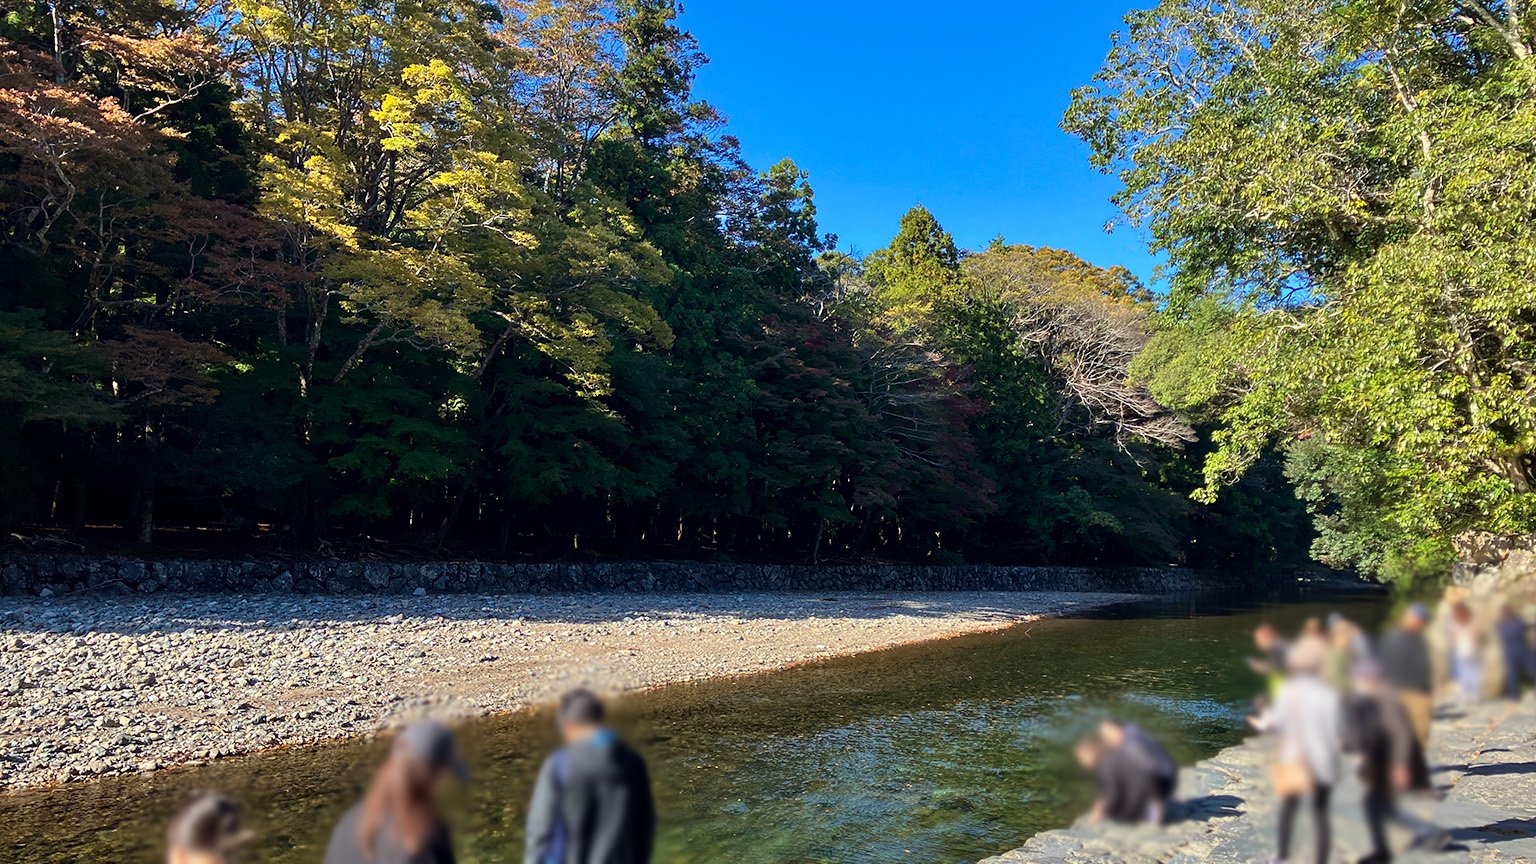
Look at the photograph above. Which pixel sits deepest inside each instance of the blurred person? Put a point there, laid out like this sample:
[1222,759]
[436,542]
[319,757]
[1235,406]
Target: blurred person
[1360,644]
[1125,790]
[1515,648]
[1391,761]
[399,820]
[1263,717]
[1308,719]
[1148,756]
[1312,627]
[206,831]
[1346,648]
[592,802]
[1404,656]
[1271,660]
[1466,646]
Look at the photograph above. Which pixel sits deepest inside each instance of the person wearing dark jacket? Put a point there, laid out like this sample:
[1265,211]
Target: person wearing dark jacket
[1148,758]
[592,802]
[1404,656]
[398,821]
[1515,644]
[1391,760]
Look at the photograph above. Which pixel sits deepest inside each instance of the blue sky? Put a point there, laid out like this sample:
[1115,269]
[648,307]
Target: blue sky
[953,105]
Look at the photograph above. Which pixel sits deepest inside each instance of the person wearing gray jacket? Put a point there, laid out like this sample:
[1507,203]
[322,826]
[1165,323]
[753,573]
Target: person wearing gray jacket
[592,802]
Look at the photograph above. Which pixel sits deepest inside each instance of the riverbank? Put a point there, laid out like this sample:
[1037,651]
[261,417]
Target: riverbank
[1484,759]
[93,686]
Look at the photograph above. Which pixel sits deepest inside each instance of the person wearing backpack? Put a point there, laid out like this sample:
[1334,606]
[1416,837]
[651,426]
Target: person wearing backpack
[592,802]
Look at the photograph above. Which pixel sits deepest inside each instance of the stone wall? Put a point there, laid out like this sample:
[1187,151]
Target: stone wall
[51,575]
[1479,551]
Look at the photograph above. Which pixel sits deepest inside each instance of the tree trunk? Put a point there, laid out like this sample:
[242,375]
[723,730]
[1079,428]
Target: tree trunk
[452,517]
[144,510]
[861,542]
[627,530]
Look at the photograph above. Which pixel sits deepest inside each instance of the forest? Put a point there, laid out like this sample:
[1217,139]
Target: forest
[444,277]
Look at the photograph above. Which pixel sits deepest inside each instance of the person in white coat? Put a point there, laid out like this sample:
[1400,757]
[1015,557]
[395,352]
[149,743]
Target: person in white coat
[1309,725]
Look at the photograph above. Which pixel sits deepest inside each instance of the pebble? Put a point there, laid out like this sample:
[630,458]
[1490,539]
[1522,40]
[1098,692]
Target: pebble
[92,686]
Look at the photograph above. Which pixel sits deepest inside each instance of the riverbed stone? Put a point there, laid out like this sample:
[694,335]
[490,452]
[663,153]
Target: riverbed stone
[171,678]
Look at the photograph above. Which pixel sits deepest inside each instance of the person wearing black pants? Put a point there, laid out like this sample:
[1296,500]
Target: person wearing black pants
[1391,762]
[1309,720]
[1288,807]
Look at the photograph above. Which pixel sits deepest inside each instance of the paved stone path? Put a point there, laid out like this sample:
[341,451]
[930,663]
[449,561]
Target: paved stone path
[1484,758]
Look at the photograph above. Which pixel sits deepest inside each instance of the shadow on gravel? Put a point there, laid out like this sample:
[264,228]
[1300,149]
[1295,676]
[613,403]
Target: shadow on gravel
[180,613]
[1204,809]
[224,612]
[1498,832]
[1497,769]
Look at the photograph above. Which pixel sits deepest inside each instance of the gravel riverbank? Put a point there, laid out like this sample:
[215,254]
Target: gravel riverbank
[96,686]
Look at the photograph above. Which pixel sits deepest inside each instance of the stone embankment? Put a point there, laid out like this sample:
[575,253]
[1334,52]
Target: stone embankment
[98,685]
[1484,758]
[57,575]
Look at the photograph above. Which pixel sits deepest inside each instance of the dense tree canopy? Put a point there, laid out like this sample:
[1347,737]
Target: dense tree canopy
[1346,193]
[454,277]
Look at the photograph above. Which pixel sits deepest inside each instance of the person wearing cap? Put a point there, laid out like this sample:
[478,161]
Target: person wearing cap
[399,821]
[592,802]
[1308,719]
[1391,761]
[206,831]
[1405,664]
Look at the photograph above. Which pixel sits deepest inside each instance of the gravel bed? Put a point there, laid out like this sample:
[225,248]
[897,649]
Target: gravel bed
[98,686]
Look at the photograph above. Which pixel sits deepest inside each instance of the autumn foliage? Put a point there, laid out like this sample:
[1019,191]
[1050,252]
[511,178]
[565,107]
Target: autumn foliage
[442,276]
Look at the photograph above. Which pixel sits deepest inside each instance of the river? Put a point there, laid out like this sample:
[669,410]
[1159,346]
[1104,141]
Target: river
[942,752]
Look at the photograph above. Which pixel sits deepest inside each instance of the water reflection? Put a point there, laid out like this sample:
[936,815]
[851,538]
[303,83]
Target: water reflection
[944,752]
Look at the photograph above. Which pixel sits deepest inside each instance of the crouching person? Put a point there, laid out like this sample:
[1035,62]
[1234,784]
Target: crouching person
[1149,758]
[1129,790]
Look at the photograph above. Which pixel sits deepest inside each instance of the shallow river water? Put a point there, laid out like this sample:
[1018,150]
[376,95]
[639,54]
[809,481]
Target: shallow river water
[943,752]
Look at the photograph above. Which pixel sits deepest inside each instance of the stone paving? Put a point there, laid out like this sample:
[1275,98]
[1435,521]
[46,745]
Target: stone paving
[1484,759]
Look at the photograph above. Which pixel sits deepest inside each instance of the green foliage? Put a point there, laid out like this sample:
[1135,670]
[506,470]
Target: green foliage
[491,280]
[1421,569]
[46,376]
[1345,200]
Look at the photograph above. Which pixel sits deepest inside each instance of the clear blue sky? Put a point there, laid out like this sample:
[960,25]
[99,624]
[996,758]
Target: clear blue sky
[954,105]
